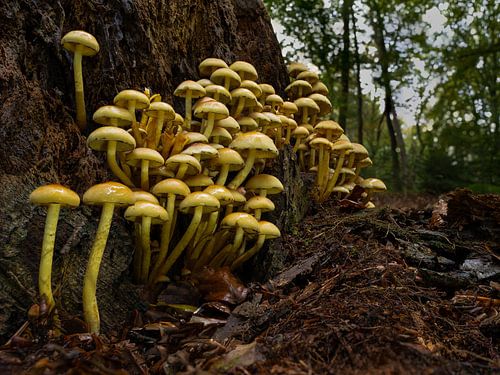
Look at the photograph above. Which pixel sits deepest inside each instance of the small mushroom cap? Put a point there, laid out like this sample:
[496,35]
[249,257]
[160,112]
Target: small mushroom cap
[259,203]
[229,157]
[210,65]
[146,209]
[295,68]
[369,205]
[310,129]
[141,195]
[108,114]
[125,97]
[309,76]
[160,171]
[360,151]
[320,88]
[241,219]
[219,76]
[340,189]
[238,198]
[274,100]
[195,137]
[341,145]
[373,184]
[135,157]
[347,171]
[260,118]
[178,120]
[246,69]
[323,127]
[99,138]
[109,192]
[266,89]
[174,162]
[293,88]
[308,103]
[217,109]
[264,146]
[224,136]
[224,95]
[267,182]
[300,132]
[54,194]
[204,150]
[243,94]
[269,230]
[190,88]
[324,104]
[303,147]
[217,146]
[81,41]
[289,108]
[221,193]
[230,124]
[251,86]
[199,180]
[274,120]
[156,108]
[319,142]
[366,162]
[171,186]
[199,199]
[248,123]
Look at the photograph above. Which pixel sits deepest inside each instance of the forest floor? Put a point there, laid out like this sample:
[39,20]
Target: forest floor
[410,288]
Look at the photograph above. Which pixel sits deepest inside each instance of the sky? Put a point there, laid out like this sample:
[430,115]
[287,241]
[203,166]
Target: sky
[435,20]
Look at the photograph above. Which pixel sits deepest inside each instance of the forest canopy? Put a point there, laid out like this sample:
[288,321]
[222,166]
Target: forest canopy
[415,81]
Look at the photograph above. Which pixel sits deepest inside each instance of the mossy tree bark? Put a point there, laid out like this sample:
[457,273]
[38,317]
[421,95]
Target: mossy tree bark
[143,43]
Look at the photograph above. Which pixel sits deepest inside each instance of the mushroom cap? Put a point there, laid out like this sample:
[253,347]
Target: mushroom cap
[204,150]
[243,94]
[246,68]
[310,129]
[373,184]
[178,120]
[124,97]
[107,114]
[347,171]
[109,192]
[224,136]
[238,198]
[161,107]
[320,88]
[363,163]
[218,110]
[267,182]
[269,230]
[370,205]
[242,220]
[303,147]
[171,186]
[309,76]
[99,138]
[324,104]
[229,123]
[274,99]
[219,77]
[295,68]
[217,146]
[308,103]
[199,199]
[222,193]
[359,150]
[260,118]
[142,209]
[340,189]
[287,122]
[81,41]
[341,145]
[248,123]
[210,65]
[274,120]
[204,82]
[174,162]
[141,195]
[289,108]
[135,157]
[293,88]
[224,95]
[161,171]
[229,157]
[319,142]
[190,88]
[266,89]
[252,86]
[198,180]
[300,132]
[259,203]
[264,146]
[195,137]
[54,194]
[323,127]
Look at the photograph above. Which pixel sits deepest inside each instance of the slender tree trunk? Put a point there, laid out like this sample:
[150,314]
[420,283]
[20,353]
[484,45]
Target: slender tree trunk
[344,64]
[359,116]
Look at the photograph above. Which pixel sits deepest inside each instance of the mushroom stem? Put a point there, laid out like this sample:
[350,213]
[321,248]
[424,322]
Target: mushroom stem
[146,248]
[209,125]
[181,245]
[207,233]
[228,249]
[135,125]
[159,127]
[319,173]
[249,254]
[224,171]
[312,157]
[277,139]
[90,309]
[81,116]
[333,179]
[145,175]
[165,237]
[187,117]
[113,165]
[305,114]
[181,171]
[49,237]
[239,107]
[240,177]
[288,135]
[216,242]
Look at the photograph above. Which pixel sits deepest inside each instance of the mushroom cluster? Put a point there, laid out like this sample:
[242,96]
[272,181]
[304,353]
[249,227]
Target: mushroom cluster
[193,185]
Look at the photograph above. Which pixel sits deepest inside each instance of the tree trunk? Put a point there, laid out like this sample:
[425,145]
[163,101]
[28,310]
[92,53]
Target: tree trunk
[344,64]
[359,113]
[143,43]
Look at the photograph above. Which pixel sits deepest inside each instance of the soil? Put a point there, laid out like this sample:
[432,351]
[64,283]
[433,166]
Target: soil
[384,291]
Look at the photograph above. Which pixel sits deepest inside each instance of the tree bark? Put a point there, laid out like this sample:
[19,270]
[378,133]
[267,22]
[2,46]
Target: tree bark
[359,113]
[345,64]
[143,43]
